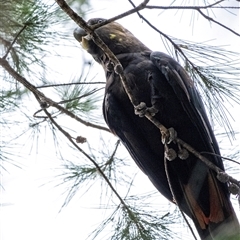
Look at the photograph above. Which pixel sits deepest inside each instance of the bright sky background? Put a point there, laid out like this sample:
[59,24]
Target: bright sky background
[32,210]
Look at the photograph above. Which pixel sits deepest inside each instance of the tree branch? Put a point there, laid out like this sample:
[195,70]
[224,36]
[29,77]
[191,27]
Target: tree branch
[196,8]
[218,23]
[140,7]
[44,99]
[191,7]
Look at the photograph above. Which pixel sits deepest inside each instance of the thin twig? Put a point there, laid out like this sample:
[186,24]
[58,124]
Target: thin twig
[109,161]
[82,96]
[35,115]
[140,7]
[174,197]
[192,7]
[199,8]
[69,84]
[226,158]
[218,23]
[14,40]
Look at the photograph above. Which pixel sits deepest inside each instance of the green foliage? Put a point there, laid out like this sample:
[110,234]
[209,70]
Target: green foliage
[24,23]
[215,72]
[138,221]
[28,28]
[78,98]
[30,31]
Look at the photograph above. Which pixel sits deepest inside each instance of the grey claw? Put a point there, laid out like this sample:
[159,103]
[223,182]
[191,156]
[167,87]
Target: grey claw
[169,136]
[141,109]
[152,110]
[169,153]
[183,154]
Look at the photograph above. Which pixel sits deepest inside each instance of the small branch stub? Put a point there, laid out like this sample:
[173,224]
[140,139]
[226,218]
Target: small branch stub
[234,189]
[223,177]
[81,139]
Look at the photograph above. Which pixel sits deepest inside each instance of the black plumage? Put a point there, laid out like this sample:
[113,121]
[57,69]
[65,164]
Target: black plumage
[159,81]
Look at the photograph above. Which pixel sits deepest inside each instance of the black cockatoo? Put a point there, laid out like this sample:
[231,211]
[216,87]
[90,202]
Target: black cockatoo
[159,81]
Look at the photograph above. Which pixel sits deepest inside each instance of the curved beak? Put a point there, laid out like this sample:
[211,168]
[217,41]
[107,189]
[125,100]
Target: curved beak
[79,33]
